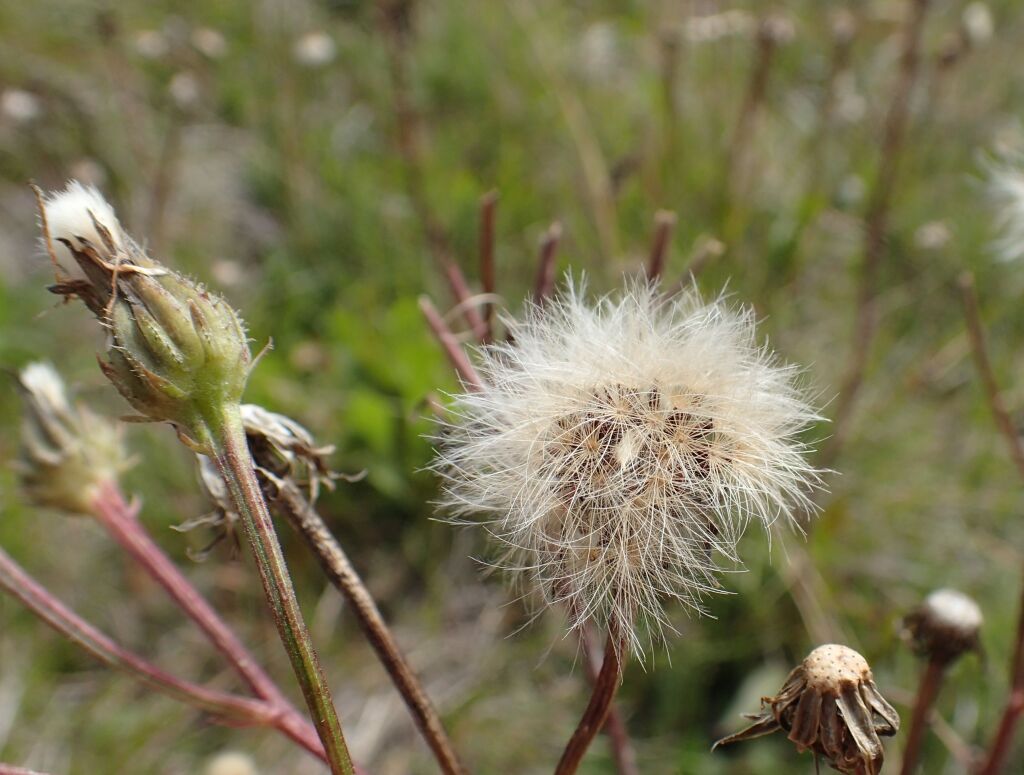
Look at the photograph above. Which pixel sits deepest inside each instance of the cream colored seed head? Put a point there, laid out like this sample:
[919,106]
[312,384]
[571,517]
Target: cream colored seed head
[953,610]
[828,668]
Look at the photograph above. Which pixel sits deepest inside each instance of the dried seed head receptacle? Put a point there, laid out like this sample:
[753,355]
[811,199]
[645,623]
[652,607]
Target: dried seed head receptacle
[830,705]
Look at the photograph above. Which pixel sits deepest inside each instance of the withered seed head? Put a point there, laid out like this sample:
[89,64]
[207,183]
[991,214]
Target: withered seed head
[176,351]
[945,626]
[67,452]
[830,705]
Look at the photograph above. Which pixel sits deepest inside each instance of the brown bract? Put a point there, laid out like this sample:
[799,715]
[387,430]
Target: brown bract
[830,705]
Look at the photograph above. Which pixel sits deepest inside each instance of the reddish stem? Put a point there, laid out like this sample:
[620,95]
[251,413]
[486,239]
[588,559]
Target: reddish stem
[927,691]
[450,345]
[615,726]
[664,224]
[121,521]
[227,708]
[545,280]
[594,716]
[488,208]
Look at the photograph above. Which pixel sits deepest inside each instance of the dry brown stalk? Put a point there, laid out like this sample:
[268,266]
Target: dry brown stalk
[448,341]
[615,725]
[544,283]
[876,225]
[927,691]
[488,209]
[664,225]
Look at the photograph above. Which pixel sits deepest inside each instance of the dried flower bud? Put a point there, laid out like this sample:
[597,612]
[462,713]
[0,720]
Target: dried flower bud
[177,352]
[945,626]
[67,451]
[830,705]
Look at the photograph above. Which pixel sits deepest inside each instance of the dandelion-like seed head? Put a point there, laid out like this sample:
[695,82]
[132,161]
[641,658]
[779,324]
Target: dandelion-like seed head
[621,449]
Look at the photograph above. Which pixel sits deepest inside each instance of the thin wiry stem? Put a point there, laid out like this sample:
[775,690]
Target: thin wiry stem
[605,686]
[232,458]
[488,208]
[285,496]
[226,708]
[121,521]
[9,769]
[544,282]
[1000,749]
[927,691]
[615,725]
[450,344]
[993,395]
[876,225]
[664,224]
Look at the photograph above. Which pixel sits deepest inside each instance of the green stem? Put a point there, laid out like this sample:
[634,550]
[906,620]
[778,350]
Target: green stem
[231,455]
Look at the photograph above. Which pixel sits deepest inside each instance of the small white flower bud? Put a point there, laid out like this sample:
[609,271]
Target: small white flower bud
[945,626]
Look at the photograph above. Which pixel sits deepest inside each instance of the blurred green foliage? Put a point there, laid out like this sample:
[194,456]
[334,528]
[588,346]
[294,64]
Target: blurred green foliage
[293,187]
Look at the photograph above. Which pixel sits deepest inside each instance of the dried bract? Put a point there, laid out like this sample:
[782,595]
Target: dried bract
[67,452]
[945,626]
[619,448]
[176,352]
[830,705]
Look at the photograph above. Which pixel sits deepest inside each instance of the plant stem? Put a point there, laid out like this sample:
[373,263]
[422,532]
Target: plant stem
[231,455]
[594,716]
[615,726]
[927,691]
[448,341]
[292,504]
[997,754]
[121,521]
[224,707]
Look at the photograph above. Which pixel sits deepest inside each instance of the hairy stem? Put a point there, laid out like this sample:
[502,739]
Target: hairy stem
[120,520]
[289,501]
[927,691]
[227,708]
[605,686]
[231,455]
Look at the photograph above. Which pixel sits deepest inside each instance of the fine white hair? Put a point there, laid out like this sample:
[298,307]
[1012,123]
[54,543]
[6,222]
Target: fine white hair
[619,449]
[1006,189]
[72,215]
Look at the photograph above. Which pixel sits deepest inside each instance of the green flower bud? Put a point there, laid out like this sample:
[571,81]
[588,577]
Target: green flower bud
[67,452]
[177,352]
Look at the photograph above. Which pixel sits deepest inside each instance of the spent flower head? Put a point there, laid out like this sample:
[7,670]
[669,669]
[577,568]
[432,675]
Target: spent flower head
[830,705]
[945,626]
[67,452]
[619,447]
[177,352]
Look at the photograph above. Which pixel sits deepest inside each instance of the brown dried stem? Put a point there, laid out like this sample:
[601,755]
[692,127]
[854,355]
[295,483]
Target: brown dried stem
[488,210]
[544,283]
[876,224]
[460,362]
[615,725]
[605,686]
[121,521]
[286,498]
[1001,744]
[664,225]
[927,691]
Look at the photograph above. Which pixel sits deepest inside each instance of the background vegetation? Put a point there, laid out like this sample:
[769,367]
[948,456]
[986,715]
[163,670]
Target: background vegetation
[311,159]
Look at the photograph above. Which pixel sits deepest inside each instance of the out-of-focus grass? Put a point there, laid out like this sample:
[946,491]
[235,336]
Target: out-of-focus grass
[282,185]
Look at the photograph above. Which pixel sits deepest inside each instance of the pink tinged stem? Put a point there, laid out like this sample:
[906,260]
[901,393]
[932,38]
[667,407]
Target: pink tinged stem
[120,520]
[450,344]
[544,283]
[226,708]
[927,691]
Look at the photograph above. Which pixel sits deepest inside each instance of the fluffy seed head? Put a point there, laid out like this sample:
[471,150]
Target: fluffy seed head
[72,216]
[619,448]
[67,452]
[1006,190]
